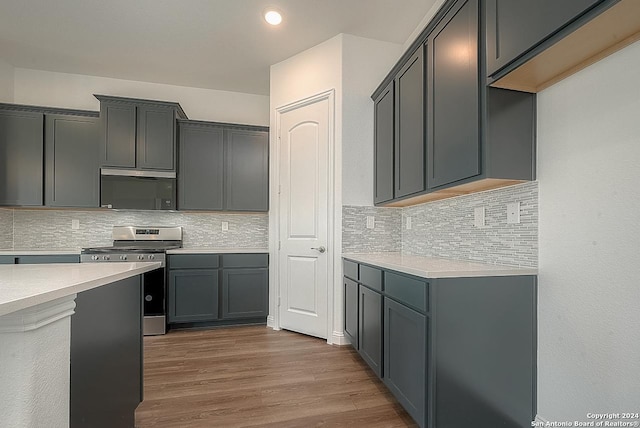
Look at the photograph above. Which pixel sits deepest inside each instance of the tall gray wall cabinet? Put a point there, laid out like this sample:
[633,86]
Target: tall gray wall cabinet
[464,137]
[449,344]
[222,167]
[51,157]
[138,133]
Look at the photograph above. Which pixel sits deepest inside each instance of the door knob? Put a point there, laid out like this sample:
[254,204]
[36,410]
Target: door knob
[320,249]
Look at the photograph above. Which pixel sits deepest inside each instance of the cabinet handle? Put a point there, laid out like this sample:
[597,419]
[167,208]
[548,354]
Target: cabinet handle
[320,249]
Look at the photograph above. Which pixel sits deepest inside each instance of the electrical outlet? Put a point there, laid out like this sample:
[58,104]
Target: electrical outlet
[513,213]
[75,224]
[371,222]
[478,217]
[225,226]
[408,223]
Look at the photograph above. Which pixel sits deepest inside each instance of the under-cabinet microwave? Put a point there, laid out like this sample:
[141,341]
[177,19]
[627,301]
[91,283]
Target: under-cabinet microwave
[137,189]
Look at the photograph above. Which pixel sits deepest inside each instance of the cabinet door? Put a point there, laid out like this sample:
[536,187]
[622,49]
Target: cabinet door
[247,170]
[383,151]
[370,332]
[60,258]
[193,295]
[21,146]
[454,138]
[245,293]
[515,26]
[118,143]
[7,260]
[72,176]
[410,144]
[351,311]
[201,168]
[156,137]
[405,357]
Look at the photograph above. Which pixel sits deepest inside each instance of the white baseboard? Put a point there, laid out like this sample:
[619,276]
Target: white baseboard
[271,322]
[338,338]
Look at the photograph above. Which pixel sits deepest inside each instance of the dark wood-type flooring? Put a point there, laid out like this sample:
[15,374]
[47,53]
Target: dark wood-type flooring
[256,377]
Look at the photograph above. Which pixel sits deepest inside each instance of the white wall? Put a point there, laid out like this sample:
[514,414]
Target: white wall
[589,297]
[6,82]
[44,88]
[365,62]
[421,26]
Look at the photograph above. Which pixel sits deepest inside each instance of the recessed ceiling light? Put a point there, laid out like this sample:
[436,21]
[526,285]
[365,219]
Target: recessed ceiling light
[273,16]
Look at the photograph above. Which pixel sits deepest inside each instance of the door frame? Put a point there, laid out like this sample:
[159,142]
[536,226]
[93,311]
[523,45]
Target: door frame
[335,334]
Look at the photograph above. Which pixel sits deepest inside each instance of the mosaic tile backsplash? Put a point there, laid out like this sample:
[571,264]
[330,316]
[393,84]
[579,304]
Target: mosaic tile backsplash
[446,228]
[6,229]
[384,237]
[51,229]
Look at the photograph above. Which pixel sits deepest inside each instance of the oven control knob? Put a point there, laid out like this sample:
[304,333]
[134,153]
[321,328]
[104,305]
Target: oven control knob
[140,257]
[106,257]
[94,257]
[123,257]
[151,257]
[148,297]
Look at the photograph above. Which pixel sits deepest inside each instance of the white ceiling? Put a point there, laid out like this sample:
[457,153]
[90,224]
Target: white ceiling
[216,44]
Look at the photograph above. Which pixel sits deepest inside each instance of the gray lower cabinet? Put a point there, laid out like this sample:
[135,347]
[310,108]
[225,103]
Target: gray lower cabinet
[193,295]
[7,260]
[447,344]
[72,176]
[516,26]
[351,311]
[218,289]
[22,148]
[370,328]
[405,363]
[55,258]
[222,167]
[245,293]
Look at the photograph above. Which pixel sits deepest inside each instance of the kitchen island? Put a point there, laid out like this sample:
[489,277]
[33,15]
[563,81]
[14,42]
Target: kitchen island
[46,351]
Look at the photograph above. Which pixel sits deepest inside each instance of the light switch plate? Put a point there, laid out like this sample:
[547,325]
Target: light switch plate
[408,223]
[478,217]
[75,224]
[371,222]
[513,213]
[225,226]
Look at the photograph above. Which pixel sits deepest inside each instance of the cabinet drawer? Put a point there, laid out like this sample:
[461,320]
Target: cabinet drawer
[193,261]
[350,269]
[245,260]
[411,291]
[371,277]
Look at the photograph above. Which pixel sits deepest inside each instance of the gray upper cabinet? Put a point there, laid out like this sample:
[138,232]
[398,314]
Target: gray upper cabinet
[222,167]
[156,137]
[138,133]
[118,144]
[384,117]
[201,167]
[514,27]
[409,129]
[247,170]
[72,177]
[453,93]
[21,158]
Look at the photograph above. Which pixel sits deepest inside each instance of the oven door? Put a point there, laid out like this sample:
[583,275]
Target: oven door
[153,302]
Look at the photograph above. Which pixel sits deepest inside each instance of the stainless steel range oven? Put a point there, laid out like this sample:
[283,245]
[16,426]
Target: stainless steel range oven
[134,244]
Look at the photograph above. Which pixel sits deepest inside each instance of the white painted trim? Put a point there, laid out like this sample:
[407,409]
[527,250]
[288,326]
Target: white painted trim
[333,204]
[271,322]
[340,339]
[38,316]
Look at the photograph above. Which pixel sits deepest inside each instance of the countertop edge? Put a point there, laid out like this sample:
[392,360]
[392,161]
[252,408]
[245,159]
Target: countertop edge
[75,288]
[65,252]
[218,251]
[481,269]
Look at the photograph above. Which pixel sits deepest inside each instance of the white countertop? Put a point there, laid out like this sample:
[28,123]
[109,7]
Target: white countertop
[23,286]
[63,252]
[218,251]
[432,267]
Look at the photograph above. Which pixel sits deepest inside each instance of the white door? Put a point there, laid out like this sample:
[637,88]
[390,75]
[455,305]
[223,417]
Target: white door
[304,156]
